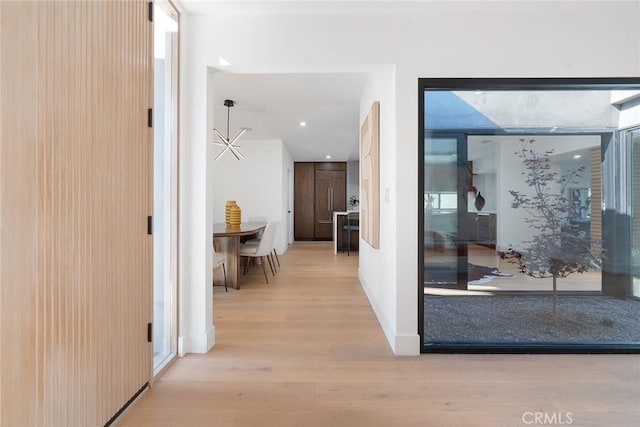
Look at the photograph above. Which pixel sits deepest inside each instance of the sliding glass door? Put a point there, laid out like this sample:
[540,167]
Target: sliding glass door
[445,206]
[634,138]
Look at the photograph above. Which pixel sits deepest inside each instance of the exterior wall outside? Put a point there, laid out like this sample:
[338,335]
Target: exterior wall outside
[525,39]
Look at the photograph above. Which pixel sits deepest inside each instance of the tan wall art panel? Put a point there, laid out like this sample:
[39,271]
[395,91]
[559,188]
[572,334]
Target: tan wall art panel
[75,192]
[370,177]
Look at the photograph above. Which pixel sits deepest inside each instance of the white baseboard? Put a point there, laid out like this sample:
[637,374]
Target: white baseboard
[386,328]
[197,343]
[282,249]
[401,345]
[407,345]
[211,338]
[182,345]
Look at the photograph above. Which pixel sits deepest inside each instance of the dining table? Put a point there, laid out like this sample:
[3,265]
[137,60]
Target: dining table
[226,240]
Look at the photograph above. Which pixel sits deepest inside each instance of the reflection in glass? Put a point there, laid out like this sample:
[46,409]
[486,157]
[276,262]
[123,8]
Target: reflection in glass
[635,248]
[488,247]
[441,211]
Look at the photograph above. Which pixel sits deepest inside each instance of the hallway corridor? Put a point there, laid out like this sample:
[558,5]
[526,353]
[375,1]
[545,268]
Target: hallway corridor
[307,350]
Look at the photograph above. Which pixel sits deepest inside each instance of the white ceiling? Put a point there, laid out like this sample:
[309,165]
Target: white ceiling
[273,105]
[310,6]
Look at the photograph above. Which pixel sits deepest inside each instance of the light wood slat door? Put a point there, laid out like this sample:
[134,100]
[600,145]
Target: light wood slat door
[75,192]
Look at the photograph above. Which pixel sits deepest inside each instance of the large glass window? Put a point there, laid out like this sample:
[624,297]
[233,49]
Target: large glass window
[634,138]
[529,228]
[441,210]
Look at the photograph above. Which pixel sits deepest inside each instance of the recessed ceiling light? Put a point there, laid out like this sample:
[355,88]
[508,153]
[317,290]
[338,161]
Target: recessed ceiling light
[223,62]
[303,124]
[577,156]
[328,156]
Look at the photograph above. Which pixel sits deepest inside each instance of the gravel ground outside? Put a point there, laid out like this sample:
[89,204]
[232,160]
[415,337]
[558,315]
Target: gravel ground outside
[528,319]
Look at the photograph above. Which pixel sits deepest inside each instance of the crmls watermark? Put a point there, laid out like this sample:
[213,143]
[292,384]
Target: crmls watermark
[547,418]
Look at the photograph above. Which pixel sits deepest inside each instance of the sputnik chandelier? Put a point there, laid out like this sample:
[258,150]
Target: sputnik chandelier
[226,142]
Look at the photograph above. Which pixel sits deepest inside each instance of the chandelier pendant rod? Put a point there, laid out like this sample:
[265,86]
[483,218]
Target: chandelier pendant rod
[226,141]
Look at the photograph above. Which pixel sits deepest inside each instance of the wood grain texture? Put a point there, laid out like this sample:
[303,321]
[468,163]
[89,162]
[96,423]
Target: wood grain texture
[330,166]
[303,200]
[319,189]
[227,241]
[307,350]
[330,196]
[370,177]
[75,192]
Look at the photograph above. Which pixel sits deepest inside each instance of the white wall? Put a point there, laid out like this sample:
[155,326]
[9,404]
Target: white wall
[377,267]
[196,333]
[257,183]
[511,228]
[491,39]
[629,115]
[286,223]
[584,180]
[485,181]
[353,181]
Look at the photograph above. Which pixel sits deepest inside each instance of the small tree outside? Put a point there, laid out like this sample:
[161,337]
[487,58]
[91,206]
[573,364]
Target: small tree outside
[559,248]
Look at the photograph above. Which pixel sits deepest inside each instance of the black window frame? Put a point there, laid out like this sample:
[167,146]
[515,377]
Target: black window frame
[512,84]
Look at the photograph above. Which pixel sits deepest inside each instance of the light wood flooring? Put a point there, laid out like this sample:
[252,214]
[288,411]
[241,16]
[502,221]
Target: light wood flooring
[590,281]
[306,350]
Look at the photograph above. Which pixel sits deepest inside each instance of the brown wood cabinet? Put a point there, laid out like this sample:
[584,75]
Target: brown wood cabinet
[303,200]
[320,188]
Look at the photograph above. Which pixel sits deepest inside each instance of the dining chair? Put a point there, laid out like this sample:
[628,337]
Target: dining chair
[261,250]
[353,224]
[274,254]
[258,235]
[257,219]
[219,260]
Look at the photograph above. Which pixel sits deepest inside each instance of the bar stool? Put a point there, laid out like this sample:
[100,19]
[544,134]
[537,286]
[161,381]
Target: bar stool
[353,224]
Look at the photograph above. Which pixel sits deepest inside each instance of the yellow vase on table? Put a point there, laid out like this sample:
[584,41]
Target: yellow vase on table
[235,217]
[227,210]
